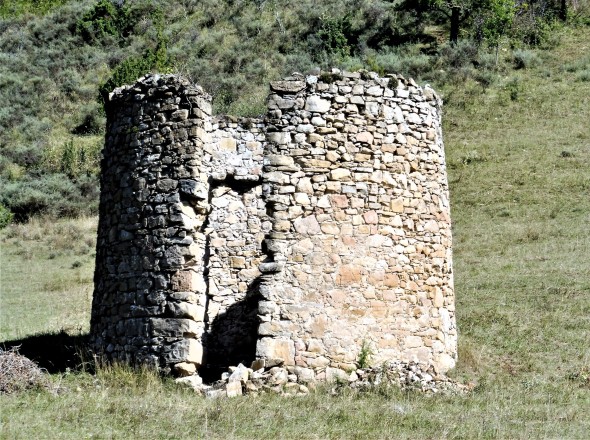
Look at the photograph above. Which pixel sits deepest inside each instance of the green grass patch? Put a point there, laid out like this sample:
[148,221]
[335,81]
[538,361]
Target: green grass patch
[46,277]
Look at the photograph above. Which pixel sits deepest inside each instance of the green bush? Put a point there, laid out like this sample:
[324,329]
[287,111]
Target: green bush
[132,68]
[403,61]
[75,158]
[514,89]
[525,59]
[533,30]
[92,122]
[580,64]
[27,156]
[55,195]
[333,35]
[104,19]
[463,53]
[11,171]
[5,216]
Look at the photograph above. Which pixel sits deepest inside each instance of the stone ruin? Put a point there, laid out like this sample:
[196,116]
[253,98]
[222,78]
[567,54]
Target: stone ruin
[312,238]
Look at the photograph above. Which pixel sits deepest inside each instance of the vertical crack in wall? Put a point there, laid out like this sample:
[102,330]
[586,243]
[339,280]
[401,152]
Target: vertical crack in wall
[231,330]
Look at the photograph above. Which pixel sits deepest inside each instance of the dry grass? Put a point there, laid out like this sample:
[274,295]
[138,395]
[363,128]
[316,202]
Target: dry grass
[18,373]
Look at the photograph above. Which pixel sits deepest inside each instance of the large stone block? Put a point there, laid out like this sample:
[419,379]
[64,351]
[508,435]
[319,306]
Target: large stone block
[307,225]
[275,348]
[186,350]
[317,105]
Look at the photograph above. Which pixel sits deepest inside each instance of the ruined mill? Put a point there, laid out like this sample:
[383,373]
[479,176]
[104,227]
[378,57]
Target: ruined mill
[301,238]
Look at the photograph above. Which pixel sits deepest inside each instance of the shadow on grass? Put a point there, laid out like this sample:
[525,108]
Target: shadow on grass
[55,352]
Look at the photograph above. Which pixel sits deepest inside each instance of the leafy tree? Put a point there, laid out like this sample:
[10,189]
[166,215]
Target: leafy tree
[457,12]
[333,35]
[498,19]
[104,19]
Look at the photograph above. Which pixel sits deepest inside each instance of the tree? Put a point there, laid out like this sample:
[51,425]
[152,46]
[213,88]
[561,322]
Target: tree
[498,19]
[455,12]
[563,10]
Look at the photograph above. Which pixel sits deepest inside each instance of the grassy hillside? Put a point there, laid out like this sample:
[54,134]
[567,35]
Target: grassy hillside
[519,165]
[58,58]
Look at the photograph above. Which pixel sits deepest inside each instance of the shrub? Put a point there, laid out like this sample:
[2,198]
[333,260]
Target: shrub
[132,68]
[92,121]
[525,59]
[514,89]
[333,35]
[55,195]
[365,355]
[579,64]
[532,30]
[252,104]
[27,156]
[14,8]
[463,53]
[104,19]
[485,78]
[75,157]
[6,216]
[584,75]
[413,65]
[13,171]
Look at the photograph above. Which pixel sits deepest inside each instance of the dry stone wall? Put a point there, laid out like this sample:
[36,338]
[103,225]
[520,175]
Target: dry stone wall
[356,178]
[310,238]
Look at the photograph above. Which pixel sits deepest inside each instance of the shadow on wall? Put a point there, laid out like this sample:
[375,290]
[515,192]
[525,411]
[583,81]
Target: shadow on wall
[55,352]
[232,336]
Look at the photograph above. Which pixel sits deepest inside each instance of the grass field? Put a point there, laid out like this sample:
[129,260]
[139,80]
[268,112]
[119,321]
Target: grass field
[519,171]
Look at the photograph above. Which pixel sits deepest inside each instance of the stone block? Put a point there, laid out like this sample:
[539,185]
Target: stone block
[194,188]
[336,375]
[397,205]
[228,144]
[307,225]
[233,389]
[279,137]
[237,262]
[340,174]
[304,185]
[287,86]
[185,350]
[174,328]
[187,280]
[180,115]
[192,381]
[365,137]
[316,104]
[184,369]
[349,274]
[187,310]
[374,91]
[274,348]
[166,185]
